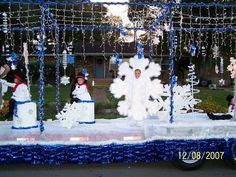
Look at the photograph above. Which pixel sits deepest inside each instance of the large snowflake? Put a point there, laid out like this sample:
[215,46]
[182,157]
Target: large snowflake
[183,99]
[68,116]
[142,95]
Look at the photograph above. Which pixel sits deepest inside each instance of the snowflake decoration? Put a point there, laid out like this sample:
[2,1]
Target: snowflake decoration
[65,80]
[183,99]
[68,116]
[137,104]
[232,67]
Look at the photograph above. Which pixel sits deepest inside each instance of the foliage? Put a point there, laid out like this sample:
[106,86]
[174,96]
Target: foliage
[209,106]
[5,108]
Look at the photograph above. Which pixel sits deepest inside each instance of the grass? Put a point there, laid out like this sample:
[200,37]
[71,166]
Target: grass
[217,96]
[210,98]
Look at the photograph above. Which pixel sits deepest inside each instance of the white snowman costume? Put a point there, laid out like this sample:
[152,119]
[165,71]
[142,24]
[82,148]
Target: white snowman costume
[81,92]
[21,92]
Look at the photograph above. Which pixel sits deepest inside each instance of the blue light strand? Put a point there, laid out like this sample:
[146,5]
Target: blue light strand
[41,54]
[150,46]
[171,68]
[108,28]
[181,4]
[57,74]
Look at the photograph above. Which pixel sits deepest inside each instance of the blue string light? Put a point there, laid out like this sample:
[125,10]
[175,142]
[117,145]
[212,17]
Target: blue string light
[150,45]
[62,3]
[171,68]
[41,54]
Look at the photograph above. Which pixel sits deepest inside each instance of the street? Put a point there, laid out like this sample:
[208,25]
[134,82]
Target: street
[161,169]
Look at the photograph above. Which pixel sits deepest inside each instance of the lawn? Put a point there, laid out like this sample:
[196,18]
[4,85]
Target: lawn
[212,100]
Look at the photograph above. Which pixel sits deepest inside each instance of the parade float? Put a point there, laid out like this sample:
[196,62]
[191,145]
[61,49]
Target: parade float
[161,121]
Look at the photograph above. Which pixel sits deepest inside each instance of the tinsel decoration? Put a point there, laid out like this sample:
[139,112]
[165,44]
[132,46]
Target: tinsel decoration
[26,57]
[41,53]
[203,51]
[192,49]
[175,42]
[14,60]
[64,79]
[5,24]
[216,68]
[222,81]
[140,50]
[116,60]
[193,81]
[121,30]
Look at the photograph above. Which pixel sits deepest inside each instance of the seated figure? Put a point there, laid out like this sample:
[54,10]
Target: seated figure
[23,110]
[230,114]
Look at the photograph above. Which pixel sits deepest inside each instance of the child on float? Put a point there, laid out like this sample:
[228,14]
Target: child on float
[79,89]
[230,100]
[137,95]
[20,92]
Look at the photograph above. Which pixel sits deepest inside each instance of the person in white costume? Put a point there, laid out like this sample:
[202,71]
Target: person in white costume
[137,95]
[79,90]
[20,91]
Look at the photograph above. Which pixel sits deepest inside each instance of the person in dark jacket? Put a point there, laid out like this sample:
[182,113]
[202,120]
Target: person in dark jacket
[230,100]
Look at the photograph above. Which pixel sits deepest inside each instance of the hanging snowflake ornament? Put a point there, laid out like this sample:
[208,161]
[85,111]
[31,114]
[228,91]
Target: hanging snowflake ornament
[137,87]
[232,67]
[65,80]
[167,27]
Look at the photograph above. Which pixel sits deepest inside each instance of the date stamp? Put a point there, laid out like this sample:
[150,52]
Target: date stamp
[197,155]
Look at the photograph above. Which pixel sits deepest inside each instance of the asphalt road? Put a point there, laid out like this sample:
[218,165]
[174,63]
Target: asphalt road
[161,169]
